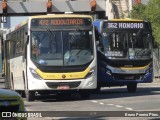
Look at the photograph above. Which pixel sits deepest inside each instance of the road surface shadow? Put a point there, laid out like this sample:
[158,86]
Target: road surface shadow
[60,98]
[81,118]
[105,93]
[110,93]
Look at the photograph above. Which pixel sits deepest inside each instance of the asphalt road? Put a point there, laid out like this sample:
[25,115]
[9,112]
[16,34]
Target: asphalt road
[115,103]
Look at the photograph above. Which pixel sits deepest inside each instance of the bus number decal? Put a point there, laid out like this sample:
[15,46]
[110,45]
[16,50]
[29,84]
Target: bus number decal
[44,22]
[112,25]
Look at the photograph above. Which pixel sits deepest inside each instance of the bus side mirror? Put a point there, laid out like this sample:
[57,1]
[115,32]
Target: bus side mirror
[25,48]
[96,34]
[27,41]
[26,33]
[155,45]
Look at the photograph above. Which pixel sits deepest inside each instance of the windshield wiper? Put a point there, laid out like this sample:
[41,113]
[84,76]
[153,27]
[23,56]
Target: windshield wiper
[139,34]
[70,55]
[143,52]
[73,37]
[51,35]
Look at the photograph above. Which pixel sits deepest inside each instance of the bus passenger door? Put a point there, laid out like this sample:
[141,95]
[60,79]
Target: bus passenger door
[7,64]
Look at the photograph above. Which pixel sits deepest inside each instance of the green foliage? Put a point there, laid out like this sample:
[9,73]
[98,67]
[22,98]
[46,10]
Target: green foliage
[138,11]
[152,13]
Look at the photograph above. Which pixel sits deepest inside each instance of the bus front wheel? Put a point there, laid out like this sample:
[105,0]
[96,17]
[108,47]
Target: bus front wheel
[132,87]
[30,95]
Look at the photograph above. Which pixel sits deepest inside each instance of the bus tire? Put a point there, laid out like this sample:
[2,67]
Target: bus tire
[98,89]
[132,87]
[30,95]
[23,95]
[85,95]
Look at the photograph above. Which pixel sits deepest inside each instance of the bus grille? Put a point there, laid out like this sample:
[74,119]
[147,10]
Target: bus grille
[128,76]
[56,84]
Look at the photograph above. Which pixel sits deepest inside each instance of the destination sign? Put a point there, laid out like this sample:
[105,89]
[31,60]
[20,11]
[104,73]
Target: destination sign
[124,25]
[61,22]
[114,54]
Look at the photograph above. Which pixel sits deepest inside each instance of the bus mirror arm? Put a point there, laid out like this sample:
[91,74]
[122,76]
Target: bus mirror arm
[25,50]
[25,53]
[96,34]
[23,58]
[26,32]
[27,41]
[155,45]
[97,37]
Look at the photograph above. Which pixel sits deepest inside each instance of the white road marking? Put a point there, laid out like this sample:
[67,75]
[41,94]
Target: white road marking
[101,103]
[118,106]
[94,101]
[128,108]
[110,104]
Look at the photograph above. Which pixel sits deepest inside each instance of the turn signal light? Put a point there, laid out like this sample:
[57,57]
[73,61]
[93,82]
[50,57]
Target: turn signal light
[49,6]
[93,5]
[4,6]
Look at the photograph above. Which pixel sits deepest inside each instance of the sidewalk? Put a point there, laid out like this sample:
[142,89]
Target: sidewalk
[157,80]
[1,80]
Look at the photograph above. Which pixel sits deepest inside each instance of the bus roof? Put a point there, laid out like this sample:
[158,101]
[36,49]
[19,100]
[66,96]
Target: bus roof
[60,15]
[127,19]
[122,20]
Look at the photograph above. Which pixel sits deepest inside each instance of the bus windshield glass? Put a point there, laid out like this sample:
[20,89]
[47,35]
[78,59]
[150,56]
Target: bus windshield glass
[117,44]
[127,43]
[62,47]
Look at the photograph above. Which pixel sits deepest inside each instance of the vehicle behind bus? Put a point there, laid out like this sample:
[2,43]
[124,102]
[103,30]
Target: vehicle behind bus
[124,50]
[52,54]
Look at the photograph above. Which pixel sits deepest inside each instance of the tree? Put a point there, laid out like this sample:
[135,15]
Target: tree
[152,13]
[137,11]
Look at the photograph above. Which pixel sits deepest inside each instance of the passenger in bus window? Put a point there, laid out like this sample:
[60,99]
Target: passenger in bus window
[52,47]
[44,43]
[35,49]
[35,52]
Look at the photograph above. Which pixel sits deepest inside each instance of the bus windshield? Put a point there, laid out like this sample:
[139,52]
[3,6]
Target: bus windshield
[62,47]
[127,44]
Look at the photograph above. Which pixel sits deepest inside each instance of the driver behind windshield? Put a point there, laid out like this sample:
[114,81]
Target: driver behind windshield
[44,43]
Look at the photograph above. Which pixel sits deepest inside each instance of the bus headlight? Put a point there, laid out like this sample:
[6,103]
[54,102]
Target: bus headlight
[35,74]
[91,72]
[149,70]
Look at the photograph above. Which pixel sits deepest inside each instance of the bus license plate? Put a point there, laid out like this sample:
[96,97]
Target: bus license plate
[63,87]
[129,77]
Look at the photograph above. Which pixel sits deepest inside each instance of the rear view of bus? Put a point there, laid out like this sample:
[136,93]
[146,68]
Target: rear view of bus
[60,56]
[125,50]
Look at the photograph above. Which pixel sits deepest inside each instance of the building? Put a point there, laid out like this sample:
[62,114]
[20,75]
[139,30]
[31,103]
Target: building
[5,24]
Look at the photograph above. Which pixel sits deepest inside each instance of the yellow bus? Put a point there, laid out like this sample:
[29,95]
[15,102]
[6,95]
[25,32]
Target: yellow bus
[52,54]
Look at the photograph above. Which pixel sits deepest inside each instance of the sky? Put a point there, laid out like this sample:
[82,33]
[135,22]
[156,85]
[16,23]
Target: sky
[144,1]
[16,20]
